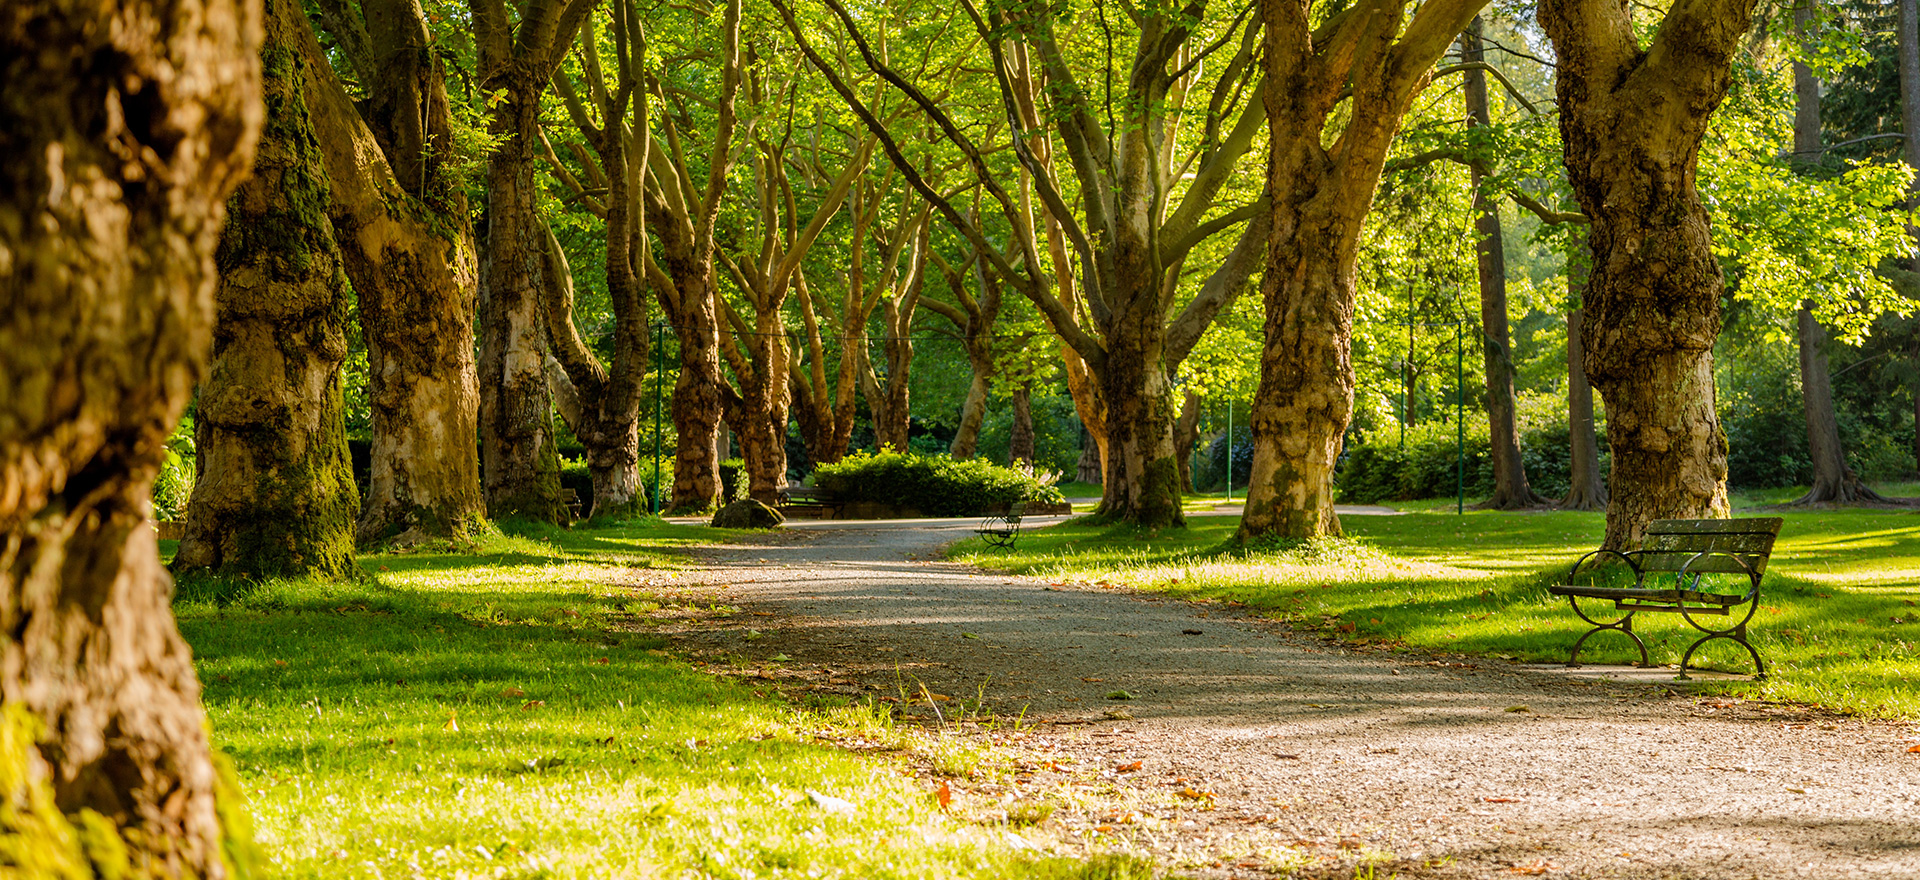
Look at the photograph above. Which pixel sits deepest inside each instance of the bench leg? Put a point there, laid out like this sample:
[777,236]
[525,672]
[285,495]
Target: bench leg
[1624,625]
[1737,634]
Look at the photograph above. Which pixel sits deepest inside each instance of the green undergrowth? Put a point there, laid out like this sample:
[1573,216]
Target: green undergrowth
[1839,622]
[502,712]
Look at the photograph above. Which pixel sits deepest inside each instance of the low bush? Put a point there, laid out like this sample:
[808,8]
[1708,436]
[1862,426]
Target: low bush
[1379,468]
[935,484]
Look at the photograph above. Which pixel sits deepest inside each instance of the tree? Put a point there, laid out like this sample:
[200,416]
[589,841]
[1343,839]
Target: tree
[1134,226]
[888,394]
[600,398]
[108,226]
[1510,488]
[519,464]
[974,315]
[401,218]
[273,495]
[1632,119]
[1363,60]
[1586,488]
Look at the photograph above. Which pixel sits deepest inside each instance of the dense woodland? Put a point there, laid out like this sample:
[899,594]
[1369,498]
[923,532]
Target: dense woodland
[1625,255]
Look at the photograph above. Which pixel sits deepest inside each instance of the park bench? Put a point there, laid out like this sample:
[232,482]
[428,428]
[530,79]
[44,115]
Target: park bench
[1690,550]
[809,501]
[1003,529]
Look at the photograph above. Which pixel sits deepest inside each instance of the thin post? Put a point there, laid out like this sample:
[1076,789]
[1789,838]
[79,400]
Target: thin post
[1460,419]
[1229,443]
[654,496]
[1406,373]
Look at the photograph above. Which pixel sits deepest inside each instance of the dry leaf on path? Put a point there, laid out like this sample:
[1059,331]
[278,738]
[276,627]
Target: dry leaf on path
[1914,750]
[513,692]
[1129,768]
[944,795]
[1537,867]
[1500,800]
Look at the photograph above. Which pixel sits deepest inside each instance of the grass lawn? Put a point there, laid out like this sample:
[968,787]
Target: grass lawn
[501,713]
[1838,625]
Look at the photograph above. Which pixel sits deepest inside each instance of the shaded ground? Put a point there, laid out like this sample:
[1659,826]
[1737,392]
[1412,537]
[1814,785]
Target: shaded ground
[1244,750]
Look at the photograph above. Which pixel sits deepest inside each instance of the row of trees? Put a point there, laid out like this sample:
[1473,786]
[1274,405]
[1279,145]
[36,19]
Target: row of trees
[1068,177]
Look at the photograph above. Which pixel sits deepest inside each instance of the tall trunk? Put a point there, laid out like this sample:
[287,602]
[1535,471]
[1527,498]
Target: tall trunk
[1186,433]
[1143,471]
[1092,464]
[1510,488]
[696,401]
[401,221]
[1632,122]
[1586,490]
[106,309]
[1319,200]
[1020,442]
[973,411]
[759,413]
[1833,481]
[519,462]
[1909,73]
[274,494]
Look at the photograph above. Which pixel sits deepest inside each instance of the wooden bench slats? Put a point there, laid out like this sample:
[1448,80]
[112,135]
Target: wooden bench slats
[1642,594]
[1687,560]
[1767,525]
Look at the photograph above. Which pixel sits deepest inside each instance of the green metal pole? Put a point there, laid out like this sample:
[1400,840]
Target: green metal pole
[1229,443]
[1460,419]
[1406,373]
[655,506]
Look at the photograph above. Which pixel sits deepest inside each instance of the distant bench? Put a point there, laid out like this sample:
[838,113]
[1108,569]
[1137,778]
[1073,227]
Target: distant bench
[809,501]
[1003,529]
[1688,549]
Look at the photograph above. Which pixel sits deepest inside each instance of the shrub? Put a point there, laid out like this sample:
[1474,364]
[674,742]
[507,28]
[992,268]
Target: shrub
[936,484]
[1378,468]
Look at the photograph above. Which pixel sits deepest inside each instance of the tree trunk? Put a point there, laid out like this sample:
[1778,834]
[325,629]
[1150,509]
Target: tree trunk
[1510,488]
[759,412]
[1305,398]
[973,412]
[1632,121]
[1909,73]
[696,405]
[519,463]
[273,494]
[1833,481]
[1185,434]
[106,312]
[1020,443]
[1586,490]
[1143,471]
[1090,467]
[401,220]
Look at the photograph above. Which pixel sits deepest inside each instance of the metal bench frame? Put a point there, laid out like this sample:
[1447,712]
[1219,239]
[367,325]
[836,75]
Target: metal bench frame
[1745,545]
[1003,529]
[809,501]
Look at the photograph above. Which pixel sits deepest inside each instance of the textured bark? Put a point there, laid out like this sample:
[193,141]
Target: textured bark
[400,217]
[1510,488]
[1908,49]
[108,223]
[273,494]
[696,392]
[1586,488]
[1185,434]
[1631,121]
[1833,481]
[519,464]
[973,413]
[1020,441]
[1087,469]
[1320,198]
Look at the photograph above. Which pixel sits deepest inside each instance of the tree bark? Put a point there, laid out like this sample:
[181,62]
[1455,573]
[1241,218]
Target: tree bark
[1088,468]
[1833,481]
[1908,47]
[1510,488]
[401,219]
[1631,122]
[108,226]
[1020,442]
[1319,203]
[1586,489]
[1185,434]
[520,466]
[273,494]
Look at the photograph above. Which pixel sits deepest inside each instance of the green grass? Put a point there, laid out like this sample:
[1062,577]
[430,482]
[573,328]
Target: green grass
[502,712]
[1838,625]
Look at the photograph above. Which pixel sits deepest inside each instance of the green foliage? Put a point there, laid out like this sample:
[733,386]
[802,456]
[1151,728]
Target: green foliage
[733,481]
[1379,469]
[173,487]
[935,484]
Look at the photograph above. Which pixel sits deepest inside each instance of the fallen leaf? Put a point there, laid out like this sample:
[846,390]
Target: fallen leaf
[1533,868]
[1500,800]
[530,705]
[1190,794]
[944,795]
[1915,750]
[453,723]
[1119,695]
[1518,709]
[968,636]
[1129,768]
[513,692]
[603,661]
[1093,679]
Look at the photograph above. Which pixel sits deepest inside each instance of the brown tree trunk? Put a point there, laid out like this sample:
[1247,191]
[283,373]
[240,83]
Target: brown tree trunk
[106,309]
[1185,434]
[273,494]
[400,216]
[696,401]
[1020,442]
[1833,481]
[973,411]
[1143,472]
[1089,468]
[1908,48]
[1632,121]
[1510,488]
[1320,198]
[759,413]
[1586,489]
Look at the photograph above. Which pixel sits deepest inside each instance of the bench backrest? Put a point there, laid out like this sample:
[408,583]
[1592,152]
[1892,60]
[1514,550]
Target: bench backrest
[1672,543]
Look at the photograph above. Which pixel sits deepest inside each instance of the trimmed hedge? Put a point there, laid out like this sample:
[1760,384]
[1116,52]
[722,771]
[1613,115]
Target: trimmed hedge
[937,485]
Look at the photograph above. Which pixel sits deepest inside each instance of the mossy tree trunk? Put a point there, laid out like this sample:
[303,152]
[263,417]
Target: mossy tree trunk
[1632,118]
[401,217]
[519,464]
[273,495]
[1320,198]
[108,226]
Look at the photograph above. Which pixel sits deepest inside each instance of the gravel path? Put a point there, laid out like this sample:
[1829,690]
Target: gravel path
[1311,758]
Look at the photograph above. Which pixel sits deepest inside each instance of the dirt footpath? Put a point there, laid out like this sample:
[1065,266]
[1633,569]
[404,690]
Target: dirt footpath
[1244,750]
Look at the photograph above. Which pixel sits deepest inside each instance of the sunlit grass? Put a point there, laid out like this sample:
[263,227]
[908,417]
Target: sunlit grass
[499,712]
[1839,621]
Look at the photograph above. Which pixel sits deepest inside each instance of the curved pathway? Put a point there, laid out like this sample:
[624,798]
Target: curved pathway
[1261,751]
